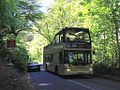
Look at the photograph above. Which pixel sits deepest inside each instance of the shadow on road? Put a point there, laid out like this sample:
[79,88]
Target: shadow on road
[73,76]
[77,77]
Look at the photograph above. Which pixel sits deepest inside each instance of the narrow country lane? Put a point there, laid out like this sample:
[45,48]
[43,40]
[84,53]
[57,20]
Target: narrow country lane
[47,81]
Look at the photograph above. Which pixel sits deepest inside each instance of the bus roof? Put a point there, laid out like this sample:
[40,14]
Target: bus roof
[71,28]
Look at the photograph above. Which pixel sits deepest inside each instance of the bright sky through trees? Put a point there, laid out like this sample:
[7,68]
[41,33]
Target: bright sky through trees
[46,4]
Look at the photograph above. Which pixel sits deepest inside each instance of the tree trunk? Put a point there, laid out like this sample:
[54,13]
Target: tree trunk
[116,24]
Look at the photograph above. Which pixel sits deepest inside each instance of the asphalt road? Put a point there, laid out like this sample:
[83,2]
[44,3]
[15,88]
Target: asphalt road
[47,81]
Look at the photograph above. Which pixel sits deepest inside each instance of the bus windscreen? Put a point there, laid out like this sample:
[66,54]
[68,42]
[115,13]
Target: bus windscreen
[77,57]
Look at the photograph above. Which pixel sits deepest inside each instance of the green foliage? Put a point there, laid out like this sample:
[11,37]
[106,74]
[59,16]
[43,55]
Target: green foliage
[17,16]
[3,52]
[106,69]
[35,47]
[19,57]
[62,14]
[105,35]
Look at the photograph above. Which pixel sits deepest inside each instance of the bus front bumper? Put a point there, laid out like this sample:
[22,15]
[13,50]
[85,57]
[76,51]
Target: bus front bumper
[78,72]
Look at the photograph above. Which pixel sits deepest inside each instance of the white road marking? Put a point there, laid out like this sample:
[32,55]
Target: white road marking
[80,84]
[28,76]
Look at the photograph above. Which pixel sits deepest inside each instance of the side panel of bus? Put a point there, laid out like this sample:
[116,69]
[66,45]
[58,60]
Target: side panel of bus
[52,64]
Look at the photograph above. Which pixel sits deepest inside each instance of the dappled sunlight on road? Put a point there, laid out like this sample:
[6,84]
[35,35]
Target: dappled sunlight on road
[45,84]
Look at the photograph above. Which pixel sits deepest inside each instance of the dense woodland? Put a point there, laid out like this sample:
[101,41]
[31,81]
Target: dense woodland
[23,21]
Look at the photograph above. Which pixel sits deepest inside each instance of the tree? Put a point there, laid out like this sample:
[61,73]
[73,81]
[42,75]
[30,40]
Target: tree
[63,13]
[17,16]
[104,19]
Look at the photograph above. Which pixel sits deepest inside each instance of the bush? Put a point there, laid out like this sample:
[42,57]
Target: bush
[3,52]
[19,57]
[106,69]
[100,68]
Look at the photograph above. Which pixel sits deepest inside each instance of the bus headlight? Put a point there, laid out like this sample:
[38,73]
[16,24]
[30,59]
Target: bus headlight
[67,69]
[91,69]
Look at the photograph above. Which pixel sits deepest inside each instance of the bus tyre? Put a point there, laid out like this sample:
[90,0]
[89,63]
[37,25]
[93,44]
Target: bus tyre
[56,70]
[46,67]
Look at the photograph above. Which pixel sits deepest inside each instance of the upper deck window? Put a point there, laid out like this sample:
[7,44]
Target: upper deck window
[79,36]
[56,40]
[72,35]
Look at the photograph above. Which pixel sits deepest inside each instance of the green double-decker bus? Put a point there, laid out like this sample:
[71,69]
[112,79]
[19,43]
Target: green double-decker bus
[70,52]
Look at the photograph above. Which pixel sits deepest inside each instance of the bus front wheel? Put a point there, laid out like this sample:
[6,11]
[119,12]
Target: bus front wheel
[56,70]
[46,67]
